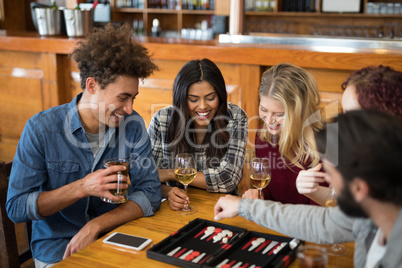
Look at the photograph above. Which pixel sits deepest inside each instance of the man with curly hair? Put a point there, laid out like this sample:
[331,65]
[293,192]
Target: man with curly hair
[58,179]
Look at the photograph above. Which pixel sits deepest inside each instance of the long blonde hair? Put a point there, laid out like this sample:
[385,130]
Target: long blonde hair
[297,90]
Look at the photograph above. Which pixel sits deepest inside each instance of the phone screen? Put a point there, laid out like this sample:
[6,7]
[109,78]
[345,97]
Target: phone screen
[126,240]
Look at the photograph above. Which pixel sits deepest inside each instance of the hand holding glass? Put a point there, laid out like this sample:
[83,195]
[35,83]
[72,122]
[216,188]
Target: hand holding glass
[260,174]
[185,173]
[119,191]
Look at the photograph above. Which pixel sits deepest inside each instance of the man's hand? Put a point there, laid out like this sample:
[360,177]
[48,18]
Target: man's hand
[99,183]
[177,198]
[308,181]
[251,194]
[226,207]
[83,238]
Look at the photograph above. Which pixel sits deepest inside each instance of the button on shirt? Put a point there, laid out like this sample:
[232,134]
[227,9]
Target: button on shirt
[53,151]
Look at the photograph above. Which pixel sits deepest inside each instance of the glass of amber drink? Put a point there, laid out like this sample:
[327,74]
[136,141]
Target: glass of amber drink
[336,249]
[185,173]
[119,191]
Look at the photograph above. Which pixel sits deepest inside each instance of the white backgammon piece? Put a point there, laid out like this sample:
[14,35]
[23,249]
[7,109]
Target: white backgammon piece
[173,251]
[182,257]
[196,260]
[207,233]
[270,246]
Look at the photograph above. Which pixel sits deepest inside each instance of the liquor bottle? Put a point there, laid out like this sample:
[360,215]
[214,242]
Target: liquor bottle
[77,7]
[54,4]
[184,4]
[212,4]
[190,5]
[156,29]
[135,27]
[140,31]
[171,4]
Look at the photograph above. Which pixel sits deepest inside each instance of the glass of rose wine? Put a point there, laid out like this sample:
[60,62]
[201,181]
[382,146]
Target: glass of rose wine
[336,249]
[185,173]
[260,174]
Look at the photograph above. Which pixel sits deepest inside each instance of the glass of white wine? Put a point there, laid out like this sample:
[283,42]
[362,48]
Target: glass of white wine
[260,174]
[185,173]
[336,249]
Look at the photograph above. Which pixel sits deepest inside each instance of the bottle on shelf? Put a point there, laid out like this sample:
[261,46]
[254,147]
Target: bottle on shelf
[171,4]
[77,6]
[54,6]
[156,29]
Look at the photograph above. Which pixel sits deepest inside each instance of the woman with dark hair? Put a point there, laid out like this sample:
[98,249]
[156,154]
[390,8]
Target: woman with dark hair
[374,88]
[370,88]
[203,123]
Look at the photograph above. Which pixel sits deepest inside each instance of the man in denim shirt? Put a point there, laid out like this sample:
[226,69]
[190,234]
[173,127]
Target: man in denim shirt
[58,177]
[363,156]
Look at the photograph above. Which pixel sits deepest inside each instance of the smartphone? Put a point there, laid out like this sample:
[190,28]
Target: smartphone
[127,241]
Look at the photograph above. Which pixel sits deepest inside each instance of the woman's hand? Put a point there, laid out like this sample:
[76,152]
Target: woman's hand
[251,194]
[177,198]
[308,181]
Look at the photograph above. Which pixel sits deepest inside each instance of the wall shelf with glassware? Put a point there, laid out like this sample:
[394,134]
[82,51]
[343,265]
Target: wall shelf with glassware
[372,18]
[175,16]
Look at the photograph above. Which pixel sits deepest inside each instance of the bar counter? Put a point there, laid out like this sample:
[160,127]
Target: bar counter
[162,224]
[37,73]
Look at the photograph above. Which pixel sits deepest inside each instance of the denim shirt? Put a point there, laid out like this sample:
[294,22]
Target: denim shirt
[53,151]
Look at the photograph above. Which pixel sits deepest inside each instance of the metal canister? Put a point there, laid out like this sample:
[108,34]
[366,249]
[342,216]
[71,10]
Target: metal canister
[79,22]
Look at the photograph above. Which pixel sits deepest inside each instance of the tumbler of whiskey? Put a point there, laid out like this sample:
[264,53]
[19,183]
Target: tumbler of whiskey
[119,191]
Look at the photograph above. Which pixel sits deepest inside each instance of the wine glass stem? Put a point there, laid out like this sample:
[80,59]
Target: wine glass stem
[259,193]
[185,190]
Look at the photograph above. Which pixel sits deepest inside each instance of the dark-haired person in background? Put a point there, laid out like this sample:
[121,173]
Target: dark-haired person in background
[58,177]
[373,88]
[363,156]
[203,123]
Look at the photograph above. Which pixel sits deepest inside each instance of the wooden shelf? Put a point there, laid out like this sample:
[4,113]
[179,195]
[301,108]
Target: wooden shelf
[320,14]
[267,21]
[197,12]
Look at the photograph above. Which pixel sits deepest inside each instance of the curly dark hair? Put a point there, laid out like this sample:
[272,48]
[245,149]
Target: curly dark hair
[110,52]
[378,88]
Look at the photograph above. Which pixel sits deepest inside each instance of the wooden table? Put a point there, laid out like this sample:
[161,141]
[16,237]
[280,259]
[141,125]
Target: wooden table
[158,227]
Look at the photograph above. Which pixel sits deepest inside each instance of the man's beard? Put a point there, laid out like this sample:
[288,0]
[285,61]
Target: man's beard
[348,204]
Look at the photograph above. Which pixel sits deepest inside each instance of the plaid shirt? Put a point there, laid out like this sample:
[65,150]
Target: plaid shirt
[228,174]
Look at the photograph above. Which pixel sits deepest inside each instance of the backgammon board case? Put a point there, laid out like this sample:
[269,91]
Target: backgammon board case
[203,243]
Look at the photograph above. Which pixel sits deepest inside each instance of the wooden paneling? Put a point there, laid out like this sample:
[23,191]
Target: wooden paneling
[28,85]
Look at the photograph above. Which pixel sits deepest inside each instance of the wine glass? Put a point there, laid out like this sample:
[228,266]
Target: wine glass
[336,249]
[185,172]
[260,174]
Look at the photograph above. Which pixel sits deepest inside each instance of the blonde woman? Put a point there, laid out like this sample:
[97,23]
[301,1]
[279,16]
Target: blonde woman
[289,102]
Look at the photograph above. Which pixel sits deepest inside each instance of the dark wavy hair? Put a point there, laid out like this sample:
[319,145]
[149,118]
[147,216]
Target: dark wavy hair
[108,53]
[378,88]
[366,144]
[193,72]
